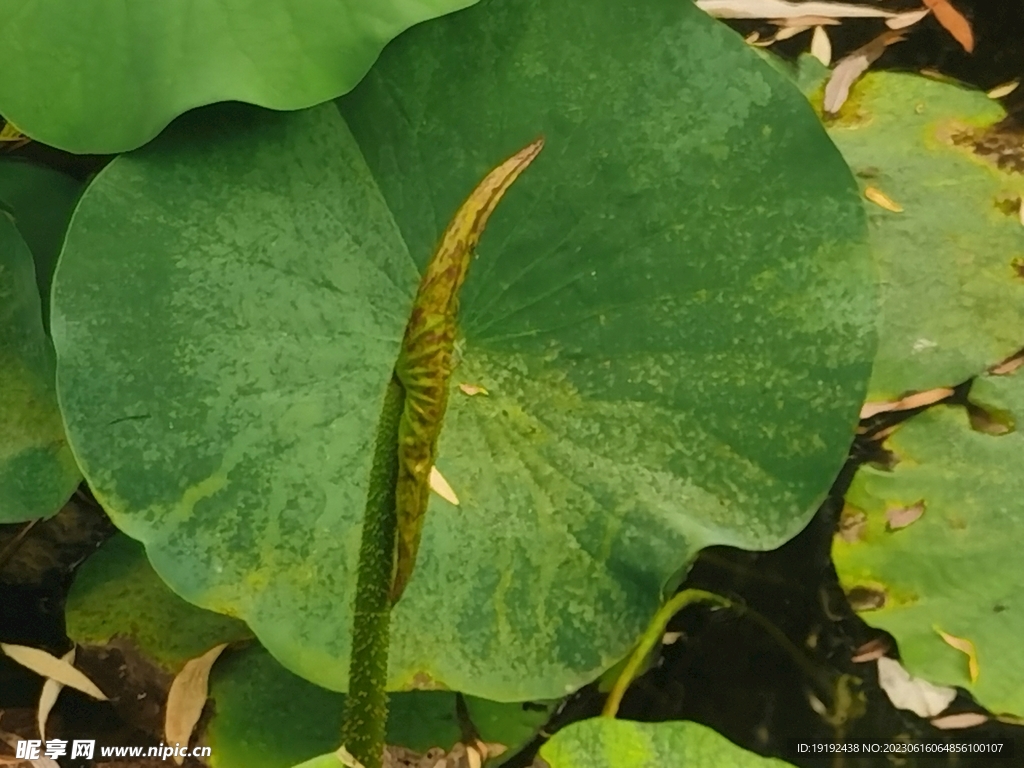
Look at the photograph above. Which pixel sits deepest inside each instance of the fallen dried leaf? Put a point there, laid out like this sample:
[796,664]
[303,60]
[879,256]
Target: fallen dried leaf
[48,697]
[882,200]
[47,665]
[871,650]
[912,693]
[12,740]
[187,697]
[821,48]
[1009,365]
[851,67]
[901,517]
[473,757]
[906,18]
[779,9]
[961,720]
[752,37]
[789,31]
[916,400]
[492,748]
[440,486]
[964,646]
[473,389]
[1003,90]
[884,433]
[805,21]
[954,22]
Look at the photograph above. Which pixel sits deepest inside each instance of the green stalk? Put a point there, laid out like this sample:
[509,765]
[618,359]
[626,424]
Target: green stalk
[366,707]
[652,637]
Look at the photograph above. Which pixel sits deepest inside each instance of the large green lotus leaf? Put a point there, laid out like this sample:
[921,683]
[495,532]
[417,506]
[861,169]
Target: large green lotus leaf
[111,75]
[958,567]
[117,594]
[37,470]
[266,717]
[41,201]
[604,742]
[672,311]
[952,263]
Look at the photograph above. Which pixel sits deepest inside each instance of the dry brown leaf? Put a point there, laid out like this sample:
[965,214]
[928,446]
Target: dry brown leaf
[441,487]
[789,31]
[901,517]
[916,400]
[187,697]
[1009,365]
[48,697]
[882,200]
[849,68]
[964,646]
[473,389]
[491,749]
[912,693]
[752,37]
[954,22]
[805,21]
[871,650]
[1003,90]
[47,665]
[906,18]
[821,48]
[12,740]
[961,720]
[882,434]
[780,9]
[473,758]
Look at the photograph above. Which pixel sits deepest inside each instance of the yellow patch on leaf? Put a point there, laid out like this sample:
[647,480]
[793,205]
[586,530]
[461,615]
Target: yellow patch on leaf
[882,200]
[964,646]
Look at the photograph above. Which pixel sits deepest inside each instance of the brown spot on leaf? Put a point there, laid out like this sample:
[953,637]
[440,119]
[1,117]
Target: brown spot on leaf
[998,144]
[866,598]
[421,681]
[901,517]
[852,524]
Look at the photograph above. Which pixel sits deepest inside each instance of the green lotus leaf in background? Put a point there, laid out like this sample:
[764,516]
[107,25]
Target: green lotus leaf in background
[605,742]
[37,470]
[110,76]
[672,312]
[951,263]
[956,568]
[116,593]
[266,717]
[41,201]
